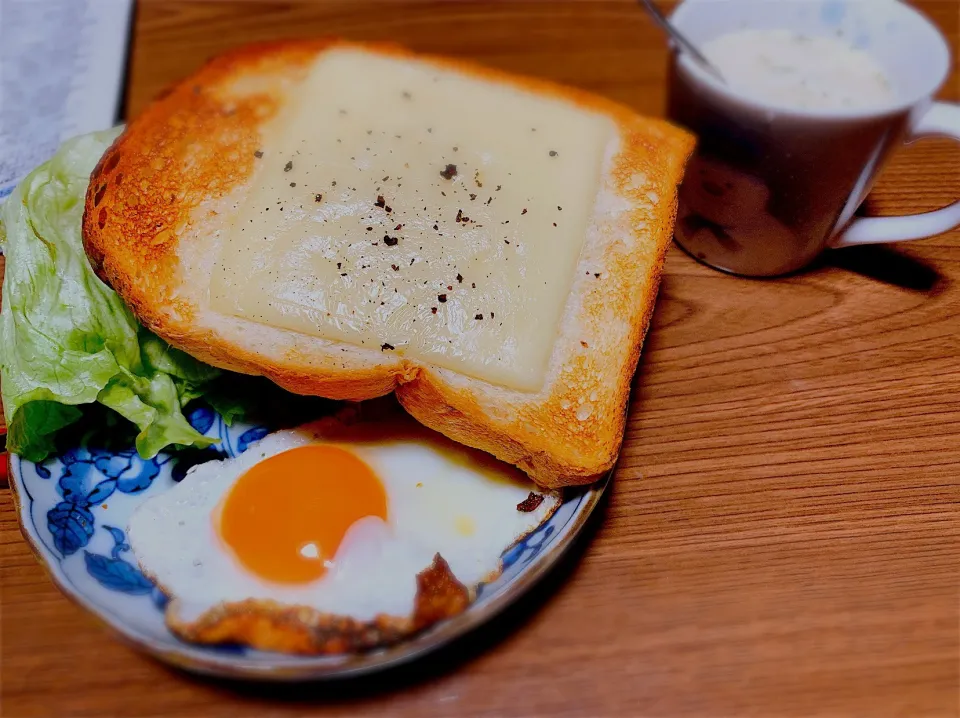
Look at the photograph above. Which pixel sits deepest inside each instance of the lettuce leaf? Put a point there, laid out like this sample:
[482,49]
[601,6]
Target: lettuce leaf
[66,339]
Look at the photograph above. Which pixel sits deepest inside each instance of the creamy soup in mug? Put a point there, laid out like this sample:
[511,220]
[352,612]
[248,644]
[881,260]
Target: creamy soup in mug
[798,71]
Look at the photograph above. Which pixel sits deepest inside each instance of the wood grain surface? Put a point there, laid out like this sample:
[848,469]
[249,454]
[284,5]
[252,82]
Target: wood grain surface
[782,538]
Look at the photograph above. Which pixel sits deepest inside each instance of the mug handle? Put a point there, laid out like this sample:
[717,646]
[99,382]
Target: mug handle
[941,120]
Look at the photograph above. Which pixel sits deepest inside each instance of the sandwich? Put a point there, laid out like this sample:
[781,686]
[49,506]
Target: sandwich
[319,220]
[351,221]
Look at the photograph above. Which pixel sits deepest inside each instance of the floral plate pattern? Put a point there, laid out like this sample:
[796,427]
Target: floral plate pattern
[74,508]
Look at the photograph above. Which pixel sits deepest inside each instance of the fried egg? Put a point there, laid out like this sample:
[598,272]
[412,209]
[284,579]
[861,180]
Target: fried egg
[338,518]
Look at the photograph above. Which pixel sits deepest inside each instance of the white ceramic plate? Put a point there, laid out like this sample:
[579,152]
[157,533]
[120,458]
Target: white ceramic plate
[74,508]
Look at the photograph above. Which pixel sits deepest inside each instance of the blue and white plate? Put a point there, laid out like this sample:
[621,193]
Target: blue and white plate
[74,508]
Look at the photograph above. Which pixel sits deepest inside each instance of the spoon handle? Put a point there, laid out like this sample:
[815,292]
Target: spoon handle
[684,43]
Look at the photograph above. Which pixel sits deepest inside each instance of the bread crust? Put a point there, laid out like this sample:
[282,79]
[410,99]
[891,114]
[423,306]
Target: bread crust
[175,167]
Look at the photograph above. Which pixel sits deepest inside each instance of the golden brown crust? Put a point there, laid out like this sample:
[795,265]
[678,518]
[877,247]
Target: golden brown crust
[145,191]
[153,190]
[270,626]
[144,196]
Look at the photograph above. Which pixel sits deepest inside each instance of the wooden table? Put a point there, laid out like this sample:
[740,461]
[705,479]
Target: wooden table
[782,538]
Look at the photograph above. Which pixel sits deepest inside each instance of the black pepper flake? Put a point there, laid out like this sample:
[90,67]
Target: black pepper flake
[473,285]
[449,172]
[559,208]
[478,317]
[583,344]
[258,154]
[343,274]
[472,196]
[459,215]
[460,278]
[449,288]
[492,315]
[553,153]
[531,503]
[394,267]
[524,211]
[317,197]
[476,178]
[436,227]
[389,347]
[597,275]
[398,227]
[385,178]
[333,184]
[441,298]
[498,187]
[489,200]
[455,149]
[289,166]
[412,261]
[406,95]
[433,310]
[381,202]
[293,184]
[390,241]
[369,229]
[554,224]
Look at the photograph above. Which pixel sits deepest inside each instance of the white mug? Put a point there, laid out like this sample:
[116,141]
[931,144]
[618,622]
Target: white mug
[769,188]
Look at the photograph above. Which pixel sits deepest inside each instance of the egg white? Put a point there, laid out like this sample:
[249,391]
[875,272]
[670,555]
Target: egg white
[441,498]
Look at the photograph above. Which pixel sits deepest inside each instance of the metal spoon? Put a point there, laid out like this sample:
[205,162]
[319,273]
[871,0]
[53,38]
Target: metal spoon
[682,41]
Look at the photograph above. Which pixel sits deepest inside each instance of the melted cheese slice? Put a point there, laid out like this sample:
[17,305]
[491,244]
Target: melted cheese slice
[410,209]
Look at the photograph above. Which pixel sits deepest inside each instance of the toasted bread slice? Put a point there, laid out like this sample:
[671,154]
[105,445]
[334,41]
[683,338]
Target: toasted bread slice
[154,229]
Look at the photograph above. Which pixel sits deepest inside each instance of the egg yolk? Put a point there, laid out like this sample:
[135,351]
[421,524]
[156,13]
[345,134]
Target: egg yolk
[284,518]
